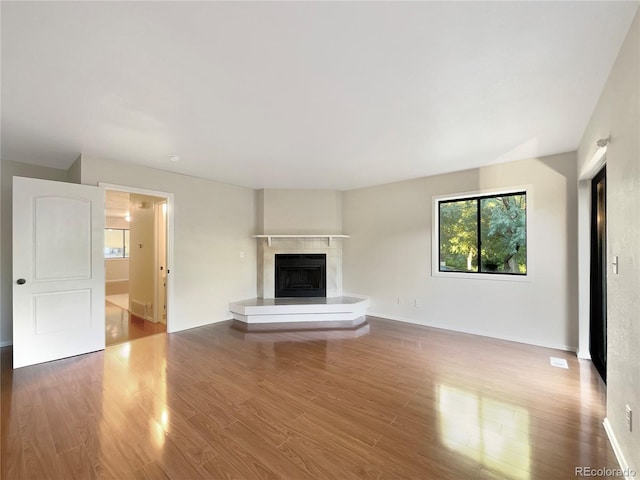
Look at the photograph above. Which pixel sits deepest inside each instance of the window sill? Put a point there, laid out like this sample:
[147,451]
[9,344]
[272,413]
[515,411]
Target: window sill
[484,276]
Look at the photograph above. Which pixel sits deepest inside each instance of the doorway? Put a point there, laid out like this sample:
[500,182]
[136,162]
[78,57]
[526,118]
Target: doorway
[135,265]
[598,296]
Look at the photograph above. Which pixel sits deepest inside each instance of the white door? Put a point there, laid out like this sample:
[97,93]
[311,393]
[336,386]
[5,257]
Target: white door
[58,270]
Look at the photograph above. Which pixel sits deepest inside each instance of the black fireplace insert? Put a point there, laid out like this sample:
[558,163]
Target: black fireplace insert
[301,275]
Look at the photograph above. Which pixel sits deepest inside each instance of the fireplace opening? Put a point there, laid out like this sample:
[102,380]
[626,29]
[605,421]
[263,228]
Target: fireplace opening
[301,275]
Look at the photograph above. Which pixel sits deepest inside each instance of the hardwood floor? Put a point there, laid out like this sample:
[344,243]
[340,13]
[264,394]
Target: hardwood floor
[403,402]
[121,326]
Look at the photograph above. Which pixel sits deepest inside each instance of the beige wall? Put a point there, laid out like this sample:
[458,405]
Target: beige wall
[389,255]
[618,113]
[298,212]
[116,269]
[74,174]
[293,211]
[9,170]
[142,250]
[214,254]
[116,222]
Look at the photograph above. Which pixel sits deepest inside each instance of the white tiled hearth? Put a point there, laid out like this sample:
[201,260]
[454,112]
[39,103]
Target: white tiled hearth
[333,311]
[305,309]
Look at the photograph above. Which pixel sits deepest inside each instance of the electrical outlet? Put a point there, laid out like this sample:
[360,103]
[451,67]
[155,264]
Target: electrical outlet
[628,417]
[399,301]
[417,303]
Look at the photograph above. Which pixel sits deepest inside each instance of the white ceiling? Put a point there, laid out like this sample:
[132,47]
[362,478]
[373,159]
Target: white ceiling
[299,94]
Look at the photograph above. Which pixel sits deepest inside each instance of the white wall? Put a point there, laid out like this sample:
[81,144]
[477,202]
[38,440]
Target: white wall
[214,254]
[389,255]
[291,211]
[618,113]
[9,170]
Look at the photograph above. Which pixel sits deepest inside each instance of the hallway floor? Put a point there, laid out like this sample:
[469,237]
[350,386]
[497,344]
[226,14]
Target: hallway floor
[121,326]
[120,299]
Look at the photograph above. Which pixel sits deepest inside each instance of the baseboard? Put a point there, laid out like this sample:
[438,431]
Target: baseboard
[6,343]
[204,324]
[566,348]
[624,466]
[583,355]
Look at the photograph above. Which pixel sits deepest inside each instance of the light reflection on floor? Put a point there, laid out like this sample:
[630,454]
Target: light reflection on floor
[491,432]
[142,387]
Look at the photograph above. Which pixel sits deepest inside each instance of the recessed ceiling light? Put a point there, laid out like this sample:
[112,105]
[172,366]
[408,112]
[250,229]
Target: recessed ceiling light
[174,158]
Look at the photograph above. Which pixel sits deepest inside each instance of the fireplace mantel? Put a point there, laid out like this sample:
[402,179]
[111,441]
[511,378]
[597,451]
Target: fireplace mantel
[328,236]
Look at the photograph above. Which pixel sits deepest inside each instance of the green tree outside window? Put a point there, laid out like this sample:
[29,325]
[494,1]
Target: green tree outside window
[485,234]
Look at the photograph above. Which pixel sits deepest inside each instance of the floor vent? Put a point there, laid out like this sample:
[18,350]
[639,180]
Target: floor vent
[139,309]
[558,362]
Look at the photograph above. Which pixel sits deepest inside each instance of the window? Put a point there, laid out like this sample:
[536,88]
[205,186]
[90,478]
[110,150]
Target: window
[116,243]
[483,234]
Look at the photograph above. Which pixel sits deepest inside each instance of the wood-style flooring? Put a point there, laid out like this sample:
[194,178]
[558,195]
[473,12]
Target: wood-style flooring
[121,326]
[401,402]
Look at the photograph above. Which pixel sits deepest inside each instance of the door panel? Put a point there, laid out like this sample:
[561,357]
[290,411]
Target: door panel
[62,311]
[58,270]
[58,255]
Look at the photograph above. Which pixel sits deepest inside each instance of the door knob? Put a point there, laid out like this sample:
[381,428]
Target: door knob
[21,281]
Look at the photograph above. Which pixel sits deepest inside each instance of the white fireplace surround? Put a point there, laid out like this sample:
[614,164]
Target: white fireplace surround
[334,310]
[270,245]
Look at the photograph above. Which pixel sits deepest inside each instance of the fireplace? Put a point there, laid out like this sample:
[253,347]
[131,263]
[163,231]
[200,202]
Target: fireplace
[300,275]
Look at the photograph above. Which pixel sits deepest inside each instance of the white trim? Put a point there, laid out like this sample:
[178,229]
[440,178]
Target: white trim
[435,235]
[386,316]
[170,238]
[624,466]
[584,265]
[583,354]
[329,237]
[593,166]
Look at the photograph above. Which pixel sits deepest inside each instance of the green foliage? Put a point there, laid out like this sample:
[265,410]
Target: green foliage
[459,235]
[503,234]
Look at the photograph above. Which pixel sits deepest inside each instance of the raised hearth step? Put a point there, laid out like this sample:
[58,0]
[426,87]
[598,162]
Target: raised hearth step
[301,309]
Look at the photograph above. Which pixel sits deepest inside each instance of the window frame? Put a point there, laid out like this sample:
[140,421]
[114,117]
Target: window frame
[474,195]
[125,251]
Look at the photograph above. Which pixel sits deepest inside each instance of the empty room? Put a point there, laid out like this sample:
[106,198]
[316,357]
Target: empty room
[320,240]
